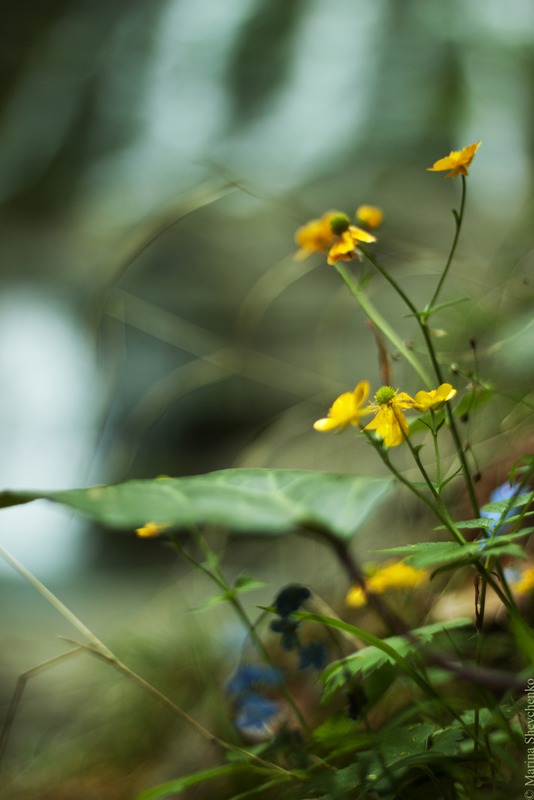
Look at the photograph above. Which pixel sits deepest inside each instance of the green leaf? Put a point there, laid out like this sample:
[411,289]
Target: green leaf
[424,422]
[447,740]
[242,584]
[469,524]
[473,400]
[179,784]
[424,555]
[243,500]
[517,501]
[261,787]
[524,636]
[245,584]
[381,651]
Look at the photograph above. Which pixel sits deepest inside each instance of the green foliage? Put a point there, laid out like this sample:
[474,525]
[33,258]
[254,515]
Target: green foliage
[180,784]
[472,401]
[241,585]
[392,650]
[426,555]
[245,501]
[433,709]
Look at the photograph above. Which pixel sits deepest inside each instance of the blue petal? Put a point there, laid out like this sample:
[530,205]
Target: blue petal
[506,491]
[255,711]
[252,676]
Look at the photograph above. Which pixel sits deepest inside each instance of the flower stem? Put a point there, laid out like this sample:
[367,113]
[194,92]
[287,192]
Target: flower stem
[436,451]
[458,218]
[214,572]
[375,316]
[99,649]
[423,326]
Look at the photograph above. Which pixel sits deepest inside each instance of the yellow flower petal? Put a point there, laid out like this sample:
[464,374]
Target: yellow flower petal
[359,235]
[315,237]
[370,216]
[345,248]
[526,583]
[356,597]
[389,421]
[389,425]
[151,529]
[396,575]
[391,575]
[346,410]
[424,401]
[457,161]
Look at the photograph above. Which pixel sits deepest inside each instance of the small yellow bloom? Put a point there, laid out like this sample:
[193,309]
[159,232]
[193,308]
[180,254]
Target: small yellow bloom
[356,597]
[345,248]
[392,575]
[151,529]
[345,411]
[424,401]
[525,584]
[315,237]
[389,421]
[396,575]
[370,216]
[457,161]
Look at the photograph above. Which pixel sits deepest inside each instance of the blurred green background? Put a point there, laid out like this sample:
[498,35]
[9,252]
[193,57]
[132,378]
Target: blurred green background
[155,160]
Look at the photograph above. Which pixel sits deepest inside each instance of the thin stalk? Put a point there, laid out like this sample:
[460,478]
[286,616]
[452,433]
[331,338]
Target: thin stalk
[436,451]
[443,515]
[375,316]
[422,323]
[217,576]
[99,649]
[458,218]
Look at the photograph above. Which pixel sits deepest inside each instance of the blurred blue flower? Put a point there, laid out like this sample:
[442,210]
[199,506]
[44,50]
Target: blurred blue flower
[507,491]
[253,676]
[255,713]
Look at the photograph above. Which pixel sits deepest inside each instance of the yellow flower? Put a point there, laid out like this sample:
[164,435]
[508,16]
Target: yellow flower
[526,583]
[315,237]
[151,529]
[457,161]
[347,238]
[392,575]
[389,421]
[370,216]
[345,411]
[424,401]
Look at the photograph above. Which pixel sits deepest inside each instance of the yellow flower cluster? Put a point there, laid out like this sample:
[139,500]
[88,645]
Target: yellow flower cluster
[389,421]
[391,575]
[333,234]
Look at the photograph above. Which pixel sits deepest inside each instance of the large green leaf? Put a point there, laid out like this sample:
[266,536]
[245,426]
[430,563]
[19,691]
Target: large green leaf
[242,500]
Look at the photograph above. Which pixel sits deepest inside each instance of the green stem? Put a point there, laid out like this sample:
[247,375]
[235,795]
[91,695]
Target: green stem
[443,515]
[436,451]
[422,322]
[217,576]
[98,648]
[375,316]
[458,218]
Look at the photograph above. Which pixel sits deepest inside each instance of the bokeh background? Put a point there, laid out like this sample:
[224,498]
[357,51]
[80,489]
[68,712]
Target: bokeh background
[155,160]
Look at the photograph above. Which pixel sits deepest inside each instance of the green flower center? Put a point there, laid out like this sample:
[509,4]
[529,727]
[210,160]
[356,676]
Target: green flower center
[339,224]
[385,395]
